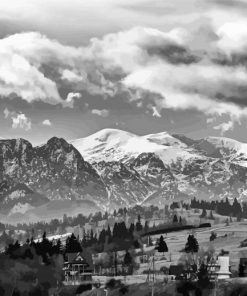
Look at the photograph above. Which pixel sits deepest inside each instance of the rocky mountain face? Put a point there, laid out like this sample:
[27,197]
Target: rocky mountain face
[158,167]
[31,176]
[114,168]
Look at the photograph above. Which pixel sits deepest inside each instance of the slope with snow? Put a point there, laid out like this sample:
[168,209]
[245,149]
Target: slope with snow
[233,150]
[114,168]
[118,145]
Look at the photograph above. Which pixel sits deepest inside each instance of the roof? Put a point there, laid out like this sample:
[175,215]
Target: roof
[84,258]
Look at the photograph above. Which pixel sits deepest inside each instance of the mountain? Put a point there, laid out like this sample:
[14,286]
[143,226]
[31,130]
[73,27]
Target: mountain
[166,166]
[118,145]
[32,176]
[114,168]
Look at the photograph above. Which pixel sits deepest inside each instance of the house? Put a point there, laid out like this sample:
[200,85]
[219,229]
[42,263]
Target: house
[243,267]
[179,272]
[78,268]
[219,269]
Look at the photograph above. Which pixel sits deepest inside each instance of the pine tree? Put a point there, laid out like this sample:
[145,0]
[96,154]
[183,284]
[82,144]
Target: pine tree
[175,219]
[131,230]
[128,261]
[138,224]
[180,220]
[192,245]
[162,246]
[146,226]
[72,245]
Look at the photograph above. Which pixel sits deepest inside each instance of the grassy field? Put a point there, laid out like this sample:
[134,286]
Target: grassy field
[228,238]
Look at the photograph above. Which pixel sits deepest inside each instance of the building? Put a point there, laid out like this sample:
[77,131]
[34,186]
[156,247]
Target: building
[78,268]
[219,269]
[243,267]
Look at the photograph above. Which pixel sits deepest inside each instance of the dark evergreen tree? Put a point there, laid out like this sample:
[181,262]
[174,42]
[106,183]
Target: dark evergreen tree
[138,224]
[102,237]
[162,246]
[131,229]
[192,245]
[72,245]
[146,227]
[128,261]
[175,219]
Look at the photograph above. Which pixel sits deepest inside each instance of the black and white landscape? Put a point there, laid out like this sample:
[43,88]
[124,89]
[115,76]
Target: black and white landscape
[117,169]
[123,147]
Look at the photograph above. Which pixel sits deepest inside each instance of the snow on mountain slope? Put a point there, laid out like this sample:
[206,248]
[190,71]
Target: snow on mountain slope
[164,138]
[227,143]
[233,150]
[118,145]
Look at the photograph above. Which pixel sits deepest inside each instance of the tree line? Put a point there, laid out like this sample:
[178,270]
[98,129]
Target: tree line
[223,207]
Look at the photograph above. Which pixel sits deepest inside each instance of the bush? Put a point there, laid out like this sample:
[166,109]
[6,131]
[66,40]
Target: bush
[243,243]
[113,284]
[213,236]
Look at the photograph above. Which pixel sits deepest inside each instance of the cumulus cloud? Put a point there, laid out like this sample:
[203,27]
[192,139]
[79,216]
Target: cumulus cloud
[171,65]
[69,102]
[20,120]
[103,112]
[47,122]
[224,127]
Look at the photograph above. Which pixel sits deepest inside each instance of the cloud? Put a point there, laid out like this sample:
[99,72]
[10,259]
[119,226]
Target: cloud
[156,112]
[103,112]
[72,76]
[210,120]
[47,122]
[69,102]
[181,69]
[21,121]
[224,127]
[6,113]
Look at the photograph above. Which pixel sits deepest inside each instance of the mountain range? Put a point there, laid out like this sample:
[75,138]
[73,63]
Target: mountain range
[114,168]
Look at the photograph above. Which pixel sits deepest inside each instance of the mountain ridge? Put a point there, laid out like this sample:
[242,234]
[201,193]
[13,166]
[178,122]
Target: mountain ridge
[114,168]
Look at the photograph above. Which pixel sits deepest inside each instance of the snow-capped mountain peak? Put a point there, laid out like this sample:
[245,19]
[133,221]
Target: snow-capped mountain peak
[116,145]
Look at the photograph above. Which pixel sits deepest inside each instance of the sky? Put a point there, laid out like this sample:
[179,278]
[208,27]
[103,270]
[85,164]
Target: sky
[69,68]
